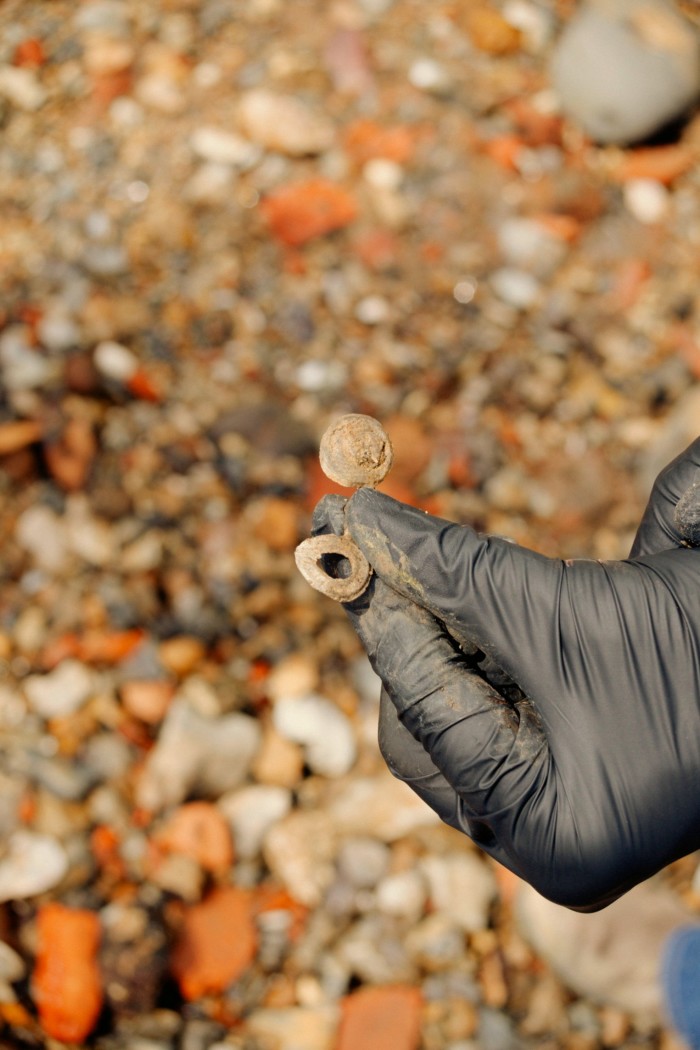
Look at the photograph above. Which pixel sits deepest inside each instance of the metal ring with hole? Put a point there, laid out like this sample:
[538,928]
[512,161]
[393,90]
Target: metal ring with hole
[309,558]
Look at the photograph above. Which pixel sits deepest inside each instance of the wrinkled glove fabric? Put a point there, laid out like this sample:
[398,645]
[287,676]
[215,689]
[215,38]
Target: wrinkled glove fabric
[584,777]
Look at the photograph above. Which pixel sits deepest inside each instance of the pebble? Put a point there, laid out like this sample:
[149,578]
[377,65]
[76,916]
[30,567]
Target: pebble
[40,532]
[372,310]
[428,75]
[403,895]
[31,864]
[362,861]
[251,812]
[609,956]
[380,806]
[62,691]
[300,850]
[647,200]
[516,287]
[12,965]
[284,123]
[296,1027]
[325,733]
[196,753]
[225,148]
[461,886]
[22,88]
[623,72]
[23,368]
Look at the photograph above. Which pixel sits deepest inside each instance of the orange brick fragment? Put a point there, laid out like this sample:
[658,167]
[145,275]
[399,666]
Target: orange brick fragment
[29,53]
[200,831]
[66,984]
[375,1018]
[664,164]
[300,212]
[217,942]
[366,140]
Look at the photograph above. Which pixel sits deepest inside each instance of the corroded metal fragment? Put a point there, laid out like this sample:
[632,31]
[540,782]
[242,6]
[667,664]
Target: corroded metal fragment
[314,556]
[356,450]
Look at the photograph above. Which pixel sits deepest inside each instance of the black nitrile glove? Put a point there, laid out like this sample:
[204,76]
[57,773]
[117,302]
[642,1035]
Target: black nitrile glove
[592,783]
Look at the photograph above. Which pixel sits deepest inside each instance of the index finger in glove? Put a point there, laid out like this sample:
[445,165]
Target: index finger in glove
[482,588]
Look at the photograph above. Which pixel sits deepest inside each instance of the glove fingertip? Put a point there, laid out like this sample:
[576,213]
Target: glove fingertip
[329,515]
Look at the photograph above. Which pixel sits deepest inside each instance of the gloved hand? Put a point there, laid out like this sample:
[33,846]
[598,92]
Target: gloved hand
[585,778]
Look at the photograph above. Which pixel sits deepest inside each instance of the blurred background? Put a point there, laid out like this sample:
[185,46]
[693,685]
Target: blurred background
[223,223]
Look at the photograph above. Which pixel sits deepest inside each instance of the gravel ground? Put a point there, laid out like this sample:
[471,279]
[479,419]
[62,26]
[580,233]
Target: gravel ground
[223,224]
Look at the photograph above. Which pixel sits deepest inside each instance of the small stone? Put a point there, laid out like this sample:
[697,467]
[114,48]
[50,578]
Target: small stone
[115,361]
[181,655]
[648,200]
[60,692]
[200,831]
[463,887]
[430,76]
[105,260]
[362,861]
[180,875]
[380,806]
[226,148]
[515,287]
[299,850]
[624,71]
[295,675]
[196,753]
[372,310]
[207,958]
[21,86]
[321,728]
[12,965]
[278,762]
[300,212]
[105,55]
[251,812]
[489,31]
[147,699]
[436,943]
[58,332]
[283,123]
[295,1027]
[31,863]
[403,895]
[23,368]
[66,982]
[381,1017]
[611,956]
[275,522]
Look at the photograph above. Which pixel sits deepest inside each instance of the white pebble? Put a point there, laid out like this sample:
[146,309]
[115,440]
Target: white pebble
[62,691]
[31,864]
[115,361]
[317,376]
[321,728]
[284,123]
[22,88]
[515,287]
[428,75]
[372,310]
[383,174]
[40,531]
[224,147]
[646,199]
[251,812]
[403,894]
[461,886]
[465,290]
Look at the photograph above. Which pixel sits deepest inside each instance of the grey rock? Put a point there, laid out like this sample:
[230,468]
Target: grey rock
[197,753]
[623,70]
[610,956]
